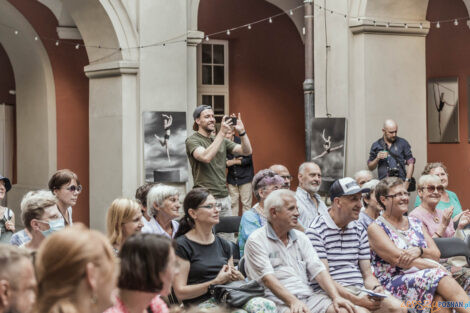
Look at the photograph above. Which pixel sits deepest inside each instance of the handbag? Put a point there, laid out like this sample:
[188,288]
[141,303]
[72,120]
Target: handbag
[236,293]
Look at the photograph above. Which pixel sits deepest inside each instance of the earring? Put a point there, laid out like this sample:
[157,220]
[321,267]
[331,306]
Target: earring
[94,298]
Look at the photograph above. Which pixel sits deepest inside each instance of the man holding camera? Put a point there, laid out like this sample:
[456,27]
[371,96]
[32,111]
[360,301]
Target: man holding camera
[208,154]
[392,155]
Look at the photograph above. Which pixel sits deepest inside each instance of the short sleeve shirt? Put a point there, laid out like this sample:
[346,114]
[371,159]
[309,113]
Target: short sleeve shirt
[209,175]
[294,265]
[402,155]
[341,247]
[206,261]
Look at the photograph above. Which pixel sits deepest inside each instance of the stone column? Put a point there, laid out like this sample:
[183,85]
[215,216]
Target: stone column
[375,70]
[114,144]
[194,38]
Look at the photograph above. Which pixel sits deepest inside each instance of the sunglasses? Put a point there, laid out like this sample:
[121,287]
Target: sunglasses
[432,188]
[74,188]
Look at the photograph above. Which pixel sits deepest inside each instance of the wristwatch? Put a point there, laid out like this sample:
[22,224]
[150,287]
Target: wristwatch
[407,180]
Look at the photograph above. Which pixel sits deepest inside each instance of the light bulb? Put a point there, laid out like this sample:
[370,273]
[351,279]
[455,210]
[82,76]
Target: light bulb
[270,20]
[57,43]
[36,38]
[456,22]
[228,31]
[249,26]
[207,38]
[77,46]
[16,32]
[438,25]
[291,12]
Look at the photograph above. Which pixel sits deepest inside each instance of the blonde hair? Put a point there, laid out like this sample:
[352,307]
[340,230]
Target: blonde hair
[33,205]
[61,265]
[121,211]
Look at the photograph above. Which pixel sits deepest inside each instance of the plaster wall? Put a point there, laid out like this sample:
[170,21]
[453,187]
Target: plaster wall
[373,73]
[447,51]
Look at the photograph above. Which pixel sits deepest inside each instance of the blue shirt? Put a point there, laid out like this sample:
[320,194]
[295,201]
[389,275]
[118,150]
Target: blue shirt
[399,154]
[251,221]
[308,209]
[19,238]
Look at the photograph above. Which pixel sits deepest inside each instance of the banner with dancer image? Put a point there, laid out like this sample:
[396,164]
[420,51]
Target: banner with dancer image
[164,148]
[443,110]
[328,148]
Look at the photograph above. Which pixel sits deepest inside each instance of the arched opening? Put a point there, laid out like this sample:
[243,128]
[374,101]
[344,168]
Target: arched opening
[35,104]
[265,75]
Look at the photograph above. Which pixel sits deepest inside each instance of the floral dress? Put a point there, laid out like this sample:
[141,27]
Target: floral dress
[411,284]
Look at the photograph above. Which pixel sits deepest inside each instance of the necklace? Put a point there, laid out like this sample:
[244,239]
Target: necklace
[434,216]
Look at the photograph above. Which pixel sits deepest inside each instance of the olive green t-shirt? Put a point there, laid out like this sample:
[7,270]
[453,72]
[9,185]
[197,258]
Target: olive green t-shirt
[209,175]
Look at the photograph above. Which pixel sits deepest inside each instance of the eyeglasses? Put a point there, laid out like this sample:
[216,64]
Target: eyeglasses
[399,195]
[432,188]
[74,188]
[217,206]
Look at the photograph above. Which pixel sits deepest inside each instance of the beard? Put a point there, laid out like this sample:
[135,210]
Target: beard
[313,188]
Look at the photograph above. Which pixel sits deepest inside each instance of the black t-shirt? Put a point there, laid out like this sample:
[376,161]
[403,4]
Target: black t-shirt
[206,261]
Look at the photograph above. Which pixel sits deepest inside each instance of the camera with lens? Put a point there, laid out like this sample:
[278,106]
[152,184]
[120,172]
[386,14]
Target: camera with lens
[393,172]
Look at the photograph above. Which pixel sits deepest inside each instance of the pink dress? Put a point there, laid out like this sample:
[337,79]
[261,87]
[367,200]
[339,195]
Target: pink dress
[432,221]
[157,305]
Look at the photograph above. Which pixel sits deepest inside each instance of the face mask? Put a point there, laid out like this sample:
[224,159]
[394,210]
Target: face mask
[54,225]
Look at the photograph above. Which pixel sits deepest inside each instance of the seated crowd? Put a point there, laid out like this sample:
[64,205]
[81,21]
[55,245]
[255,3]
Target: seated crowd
[363,253]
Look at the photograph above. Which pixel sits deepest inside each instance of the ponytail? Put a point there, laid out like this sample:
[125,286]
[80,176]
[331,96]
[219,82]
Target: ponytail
[186,223]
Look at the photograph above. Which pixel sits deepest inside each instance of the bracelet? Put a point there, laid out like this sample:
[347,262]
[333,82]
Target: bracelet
[242,134]
[422,251]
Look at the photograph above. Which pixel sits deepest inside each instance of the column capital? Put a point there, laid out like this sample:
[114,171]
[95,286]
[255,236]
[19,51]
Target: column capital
[368,25]
[114,68]
[194,37]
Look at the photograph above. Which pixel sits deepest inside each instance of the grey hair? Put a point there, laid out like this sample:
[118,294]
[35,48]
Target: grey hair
[157,194]
[425,179]
[305,164]
[276,199]
[38,199]
[362,173]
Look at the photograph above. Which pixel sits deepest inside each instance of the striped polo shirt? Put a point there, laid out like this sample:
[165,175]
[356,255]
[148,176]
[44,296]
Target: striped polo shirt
[343,248]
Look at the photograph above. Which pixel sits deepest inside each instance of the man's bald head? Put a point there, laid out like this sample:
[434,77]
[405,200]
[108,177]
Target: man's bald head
[282,171]
[390,130]
[390,123]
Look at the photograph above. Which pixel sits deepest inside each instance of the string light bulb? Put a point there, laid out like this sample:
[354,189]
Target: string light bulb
[207,38]
[77,46]
[16,32]
[421,25]
[270,20]
[303,30]
[291,12]
[387,25]
[438,25]
[406,25]
[57,43]
[456,22]
[228,31]
[36,38]
[249,26]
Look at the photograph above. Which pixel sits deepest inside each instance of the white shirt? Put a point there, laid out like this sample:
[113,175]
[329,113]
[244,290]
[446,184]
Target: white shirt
[294,265]
[153,227]
[308,209]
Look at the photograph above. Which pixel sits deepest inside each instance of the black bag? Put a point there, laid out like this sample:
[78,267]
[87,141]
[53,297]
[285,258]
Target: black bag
[236,293]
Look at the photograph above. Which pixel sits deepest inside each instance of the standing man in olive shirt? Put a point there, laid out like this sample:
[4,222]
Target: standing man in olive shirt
[208,154]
